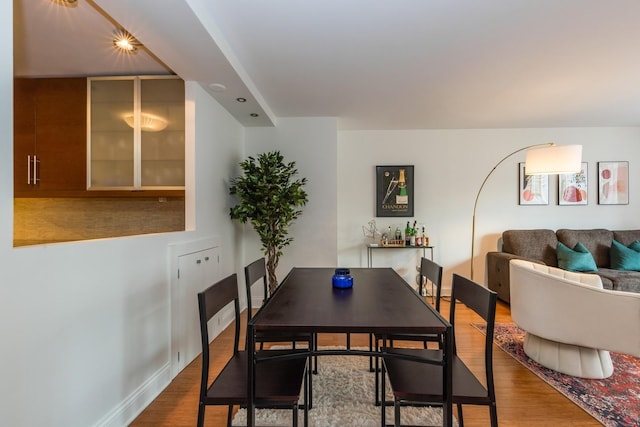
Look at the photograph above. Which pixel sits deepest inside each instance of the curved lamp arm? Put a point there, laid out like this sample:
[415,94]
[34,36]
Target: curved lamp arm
[475,204]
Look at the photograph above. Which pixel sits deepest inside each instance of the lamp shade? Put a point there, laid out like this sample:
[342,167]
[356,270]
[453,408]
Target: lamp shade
[554,159]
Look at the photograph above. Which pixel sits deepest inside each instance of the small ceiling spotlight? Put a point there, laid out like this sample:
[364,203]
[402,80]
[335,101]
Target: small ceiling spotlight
[254,114]
[124,41]
[241,99]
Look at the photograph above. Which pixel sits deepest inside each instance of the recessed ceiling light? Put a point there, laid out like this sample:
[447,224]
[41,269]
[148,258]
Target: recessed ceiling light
[241,99]
[125,42]
[254,114]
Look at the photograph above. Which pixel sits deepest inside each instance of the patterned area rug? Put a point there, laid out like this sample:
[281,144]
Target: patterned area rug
[343,395]
[614,401]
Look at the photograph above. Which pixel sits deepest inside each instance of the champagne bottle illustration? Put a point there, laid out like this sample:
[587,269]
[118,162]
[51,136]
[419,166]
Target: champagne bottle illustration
[402,198]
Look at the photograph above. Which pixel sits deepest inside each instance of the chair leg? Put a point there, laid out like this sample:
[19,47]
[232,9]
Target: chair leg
[371,349]
[201,414]
[377,373]
[460,419]
[314,343]
[307,397]
[229,414]
[309,403]
[494,414]
[294,414]
[396,413]
[382,402]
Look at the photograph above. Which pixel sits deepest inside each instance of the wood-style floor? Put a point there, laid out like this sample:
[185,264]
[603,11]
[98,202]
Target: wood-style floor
[523,399]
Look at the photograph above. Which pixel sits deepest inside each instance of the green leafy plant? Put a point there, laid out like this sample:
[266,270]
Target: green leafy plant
[270,198]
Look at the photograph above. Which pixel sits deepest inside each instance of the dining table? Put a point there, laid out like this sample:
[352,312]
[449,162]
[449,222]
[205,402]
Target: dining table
[379,302]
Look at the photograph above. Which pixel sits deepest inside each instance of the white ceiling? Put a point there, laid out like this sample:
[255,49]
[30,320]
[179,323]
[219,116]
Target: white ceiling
[395,64]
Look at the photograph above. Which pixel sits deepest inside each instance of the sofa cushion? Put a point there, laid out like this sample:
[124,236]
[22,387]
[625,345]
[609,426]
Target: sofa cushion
[626,237]
[625,257]
[532,244]
[597,241]
[620,280]
[577,259]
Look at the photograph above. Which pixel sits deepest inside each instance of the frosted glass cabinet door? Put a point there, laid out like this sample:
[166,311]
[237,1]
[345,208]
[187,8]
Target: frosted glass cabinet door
[162,137]
[112,139]
[137,133]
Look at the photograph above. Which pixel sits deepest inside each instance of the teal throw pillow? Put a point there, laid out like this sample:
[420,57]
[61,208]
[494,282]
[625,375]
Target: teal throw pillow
[577,259]
[625,257]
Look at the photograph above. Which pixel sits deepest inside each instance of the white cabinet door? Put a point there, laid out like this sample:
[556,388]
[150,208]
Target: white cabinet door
[196,271]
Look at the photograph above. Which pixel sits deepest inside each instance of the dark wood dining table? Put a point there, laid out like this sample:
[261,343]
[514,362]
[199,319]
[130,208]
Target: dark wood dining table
[380,302]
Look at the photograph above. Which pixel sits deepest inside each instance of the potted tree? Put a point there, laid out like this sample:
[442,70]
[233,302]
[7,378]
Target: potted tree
[270,198]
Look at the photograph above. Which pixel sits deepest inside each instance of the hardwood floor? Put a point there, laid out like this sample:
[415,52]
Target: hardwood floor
[523,399]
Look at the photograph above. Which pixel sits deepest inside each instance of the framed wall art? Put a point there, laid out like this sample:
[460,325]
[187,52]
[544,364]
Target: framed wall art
[573,187]
[394,191]
[613,183]
[533,189]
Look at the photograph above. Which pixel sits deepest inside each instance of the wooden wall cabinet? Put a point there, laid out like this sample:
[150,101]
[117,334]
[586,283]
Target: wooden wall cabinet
[50,133]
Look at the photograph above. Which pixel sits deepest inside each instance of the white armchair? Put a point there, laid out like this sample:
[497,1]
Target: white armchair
[571,322]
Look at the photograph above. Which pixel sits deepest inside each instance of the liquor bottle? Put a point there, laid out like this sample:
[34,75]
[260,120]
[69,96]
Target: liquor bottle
[389,236]
[418,237]
[425,239]
[407,235]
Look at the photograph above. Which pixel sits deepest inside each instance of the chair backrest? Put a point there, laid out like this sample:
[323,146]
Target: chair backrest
[433,273]
[210,302]
[483,302]
[252,273]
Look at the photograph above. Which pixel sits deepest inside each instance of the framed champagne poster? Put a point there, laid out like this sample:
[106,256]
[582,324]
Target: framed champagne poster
[394,191]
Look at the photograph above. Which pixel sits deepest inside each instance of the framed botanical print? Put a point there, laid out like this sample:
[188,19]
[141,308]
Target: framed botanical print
[573,187]
[394,191]
[533,189]
[613,183]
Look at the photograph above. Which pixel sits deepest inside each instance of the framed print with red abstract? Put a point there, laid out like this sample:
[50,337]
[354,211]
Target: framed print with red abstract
[613,183]
[573,188]
[533,189]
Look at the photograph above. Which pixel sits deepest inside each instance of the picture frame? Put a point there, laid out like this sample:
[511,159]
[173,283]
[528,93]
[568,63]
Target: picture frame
[532,189]
[395,196]
[573,188]
[613,183]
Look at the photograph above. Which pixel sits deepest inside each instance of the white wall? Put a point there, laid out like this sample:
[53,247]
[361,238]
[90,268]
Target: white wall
[312,144]
[86,326]
[449,168]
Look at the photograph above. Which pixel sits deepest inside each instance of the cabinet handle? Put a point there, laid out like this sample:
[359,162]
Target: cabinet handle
[206,258]
[198,261]
[35,170]
[29,170]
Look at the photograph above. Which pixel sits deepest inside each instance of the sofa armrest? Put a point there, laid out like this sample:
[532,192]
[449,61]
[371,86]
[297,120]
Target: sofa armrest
[498,273]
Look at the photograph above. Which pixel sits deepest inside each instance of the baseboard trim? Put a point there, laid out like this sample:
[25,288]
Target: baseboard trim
[124,413]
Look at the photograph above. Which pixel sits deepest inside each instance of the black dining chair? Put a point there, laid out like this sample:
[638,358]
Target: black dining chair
[257,272]
[278,383]
[419,383]
[430,272]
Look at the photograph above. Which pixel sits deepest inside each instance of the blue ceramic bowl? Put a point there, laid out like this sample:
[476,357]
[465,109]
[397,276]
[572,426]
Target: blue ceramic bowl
[342,279]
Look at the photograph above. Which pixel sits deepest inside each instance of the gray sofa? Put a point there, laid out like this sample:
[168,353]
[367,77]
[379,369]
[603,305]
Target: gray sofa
[540,246]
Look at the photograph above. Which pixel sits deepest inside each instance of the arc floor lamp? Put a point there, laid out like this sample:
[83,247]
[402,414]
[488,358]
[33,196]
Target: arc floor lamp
[541,159]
